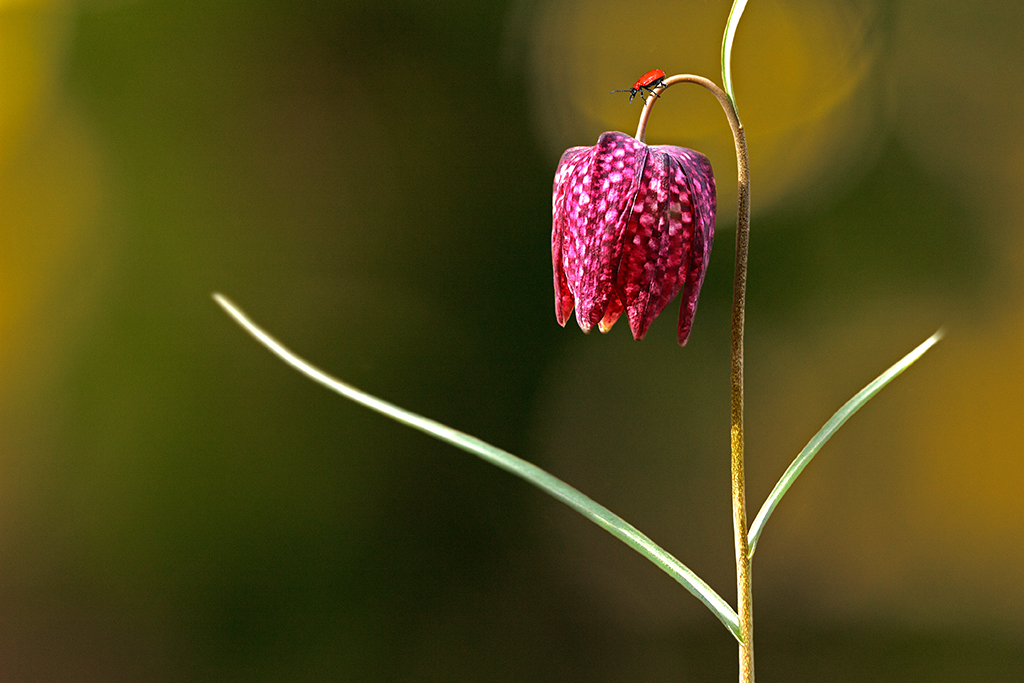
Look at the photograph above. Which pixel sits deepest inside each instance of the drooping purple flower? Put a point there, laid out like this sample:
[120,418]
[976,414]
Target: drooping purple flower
[632,226]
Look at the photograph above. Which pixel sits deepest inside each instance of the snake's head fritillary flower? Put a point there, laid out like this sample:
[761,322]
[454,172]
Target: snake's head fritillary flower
[632,226]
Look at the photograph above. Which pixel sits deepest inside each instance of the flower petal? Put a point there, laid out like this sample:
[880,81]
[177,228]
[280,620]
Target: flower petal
[701,182]
[595,197]
[559,233]
[658,247]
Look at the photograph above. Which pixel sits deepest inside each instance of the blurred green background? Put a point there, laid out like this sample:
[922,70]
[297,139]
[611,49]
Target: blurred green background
[371,182]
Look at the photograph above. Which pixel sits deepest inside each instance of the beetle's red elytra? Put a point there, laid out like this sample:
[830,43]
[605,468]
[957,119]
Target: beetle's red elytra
[649,81]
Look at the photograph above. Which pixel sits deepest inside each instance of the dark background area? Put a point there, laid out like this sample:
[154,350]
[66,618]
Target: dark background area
[371,182]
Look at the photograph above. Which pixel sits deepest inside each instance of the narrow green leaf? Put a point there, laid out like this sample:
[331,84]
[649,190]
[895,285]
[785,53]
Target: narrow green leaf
[546,482]
[826,432]
[730,35]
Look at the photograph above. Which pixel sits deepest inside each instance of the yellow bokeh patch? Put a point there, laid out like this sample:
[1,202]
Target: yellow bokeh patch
[802,73]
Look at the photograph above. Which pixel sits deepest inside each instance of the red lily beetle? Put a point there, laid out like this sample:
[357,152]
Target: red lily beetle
[649,81]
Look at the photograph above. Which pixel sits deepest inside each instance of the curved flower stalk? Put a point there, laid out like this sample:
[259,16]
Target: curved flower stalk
[632,225]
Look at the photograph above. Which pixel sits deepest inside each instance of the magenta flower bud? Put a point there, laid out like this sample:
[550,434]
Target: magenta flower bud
[632,226]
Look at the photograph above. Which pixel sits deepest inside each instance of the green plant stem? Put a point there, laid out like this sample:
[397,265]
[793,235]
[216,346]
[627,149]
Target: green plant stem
[744,598]
[739,504]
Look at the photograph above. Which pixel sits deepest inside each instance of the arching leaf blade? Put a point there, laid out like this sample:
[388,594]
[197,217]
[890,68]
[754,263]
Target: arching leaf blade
[826,432]
[543,480]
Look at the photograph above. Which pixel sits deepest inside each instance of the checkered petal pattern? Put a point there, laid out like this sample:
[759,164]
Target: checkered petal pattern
[632,226]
